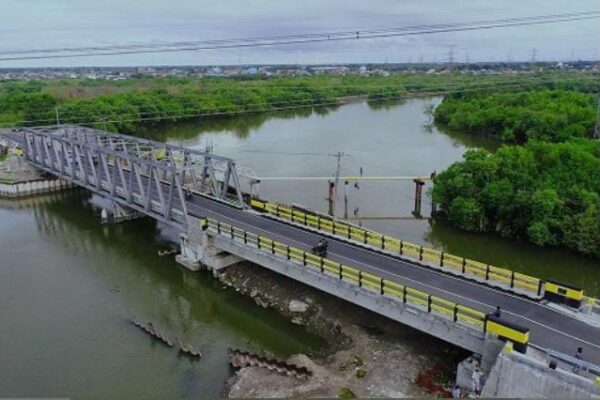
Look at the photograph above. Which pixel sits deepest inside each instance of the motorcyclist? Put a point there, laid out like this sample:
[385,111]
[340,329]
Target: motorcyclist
[321,247]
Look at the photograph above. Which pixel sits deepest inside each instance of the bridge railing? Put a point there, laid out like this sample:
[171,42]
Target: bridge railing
[502,277]
[373,283]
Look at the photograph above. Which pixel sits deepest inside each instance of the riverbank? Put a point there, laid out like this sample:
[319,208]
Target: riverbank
[368,355]
[18,179]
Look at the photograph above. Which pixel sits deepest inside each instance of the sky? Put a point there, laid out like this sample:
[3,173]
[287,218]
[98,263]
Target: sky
[42,24]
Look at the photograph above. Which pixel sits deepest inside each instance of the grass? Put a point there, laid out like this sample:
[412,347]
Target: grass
[346,393]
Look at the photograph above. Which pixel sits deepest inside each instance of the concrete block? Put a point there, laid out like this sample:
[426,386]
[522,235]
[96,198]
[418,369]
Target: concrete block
[297,306]
[188,263]
[521,375]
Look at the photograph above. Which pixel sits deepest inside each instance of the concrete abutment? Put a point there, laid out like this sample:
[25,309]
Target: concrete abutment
[198,250]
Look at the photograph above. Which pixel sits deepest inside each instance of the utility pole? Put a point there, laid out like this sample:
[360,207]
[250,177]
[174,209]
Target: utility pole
[333,188]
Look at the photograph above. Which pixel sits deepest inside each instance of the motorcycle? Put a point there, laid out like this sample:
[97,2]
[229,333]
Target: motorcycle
[320,249]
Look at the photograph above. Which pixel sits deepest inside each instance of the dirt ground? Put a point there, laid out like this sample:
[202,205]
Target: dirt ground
[16,169]
[368,356]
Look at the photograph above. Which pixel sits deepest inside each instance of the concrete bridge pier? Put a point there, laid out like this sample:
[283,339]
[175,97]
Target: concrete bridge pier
[485,361]
[198,250]
[117,213]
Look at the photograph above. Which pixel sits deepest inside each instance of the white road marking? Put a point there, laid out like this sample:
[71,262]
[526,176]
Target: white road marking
[421,283]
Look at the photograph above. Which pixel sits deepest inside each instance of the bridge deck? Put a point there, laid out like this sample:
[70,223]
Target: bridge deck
[549,328]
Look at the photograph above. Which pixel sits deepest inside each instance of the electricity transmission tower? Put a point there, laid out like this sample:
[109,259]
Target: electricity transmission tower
[597,128]
[451,57]
[533,54]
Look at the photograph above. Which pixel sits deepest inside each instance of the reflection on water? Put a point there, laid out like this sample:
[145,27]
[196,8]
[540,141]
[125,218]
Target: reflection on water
[69,287]
[240,125]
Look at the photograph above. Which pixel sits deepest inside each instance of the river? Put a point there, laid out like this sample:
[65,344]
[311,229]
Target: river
[69,286]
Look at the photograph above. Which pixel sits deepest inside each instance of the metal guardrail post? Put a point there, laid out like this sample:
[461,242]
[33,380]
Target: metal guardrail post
[245,237]
[540,284]
[287,249]
[464,265]
[273,247]
[359,278]
[512,279]
[487,272]
[429,303]
[322,265]
[383,242]
[421,253]
[404,294]
[318,223]
[455,313]
[442,259]
[401,247]
[365,237]
[304,258]
[381,287]
[219,227]
[341,272]
[231,230]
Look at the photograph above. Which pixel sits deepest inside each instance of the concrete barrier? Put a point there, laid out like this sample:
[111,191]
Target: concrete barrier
[32,188]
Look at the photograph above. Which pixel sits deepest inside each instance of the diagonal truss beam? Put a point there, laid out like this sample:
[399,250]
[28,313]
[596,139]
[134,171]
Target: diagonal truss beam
[145,175]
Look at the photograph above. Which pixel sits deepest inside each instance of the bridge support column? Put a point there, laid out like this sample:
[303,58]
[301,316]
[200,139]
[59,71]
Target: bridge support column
[485,361]
[198,250]
[118,213]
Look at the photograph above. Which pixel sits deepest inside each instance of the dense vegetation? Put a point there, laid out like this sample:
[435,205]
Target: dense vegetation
[129,105]
[517,117]
[546,190]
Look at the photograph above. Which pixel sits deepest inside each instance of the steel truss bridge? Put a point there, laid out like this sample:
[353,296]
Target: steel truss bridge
[146,176]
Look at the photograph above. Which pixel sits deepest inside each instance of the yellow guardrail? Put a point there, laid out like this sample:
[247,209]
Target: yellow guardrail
[457,264]
[517,334]
[424,301]
[562,292]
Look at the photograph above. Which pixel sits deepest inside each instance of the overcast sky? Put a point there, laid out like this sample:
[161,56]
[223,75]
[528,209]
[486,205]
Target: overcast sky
[39,24]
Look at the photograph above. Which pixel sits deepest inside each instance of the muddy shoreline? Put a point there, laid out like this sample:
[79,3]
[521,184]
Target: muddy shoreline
[368,355]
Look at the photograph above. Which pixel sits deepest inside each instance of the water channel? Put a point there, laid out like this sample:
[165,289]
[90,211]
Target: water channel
[69,286]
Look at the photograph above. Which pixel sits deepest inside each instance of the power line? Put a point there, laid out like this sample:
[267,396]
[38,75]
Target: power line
[286,153]
[305,38]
